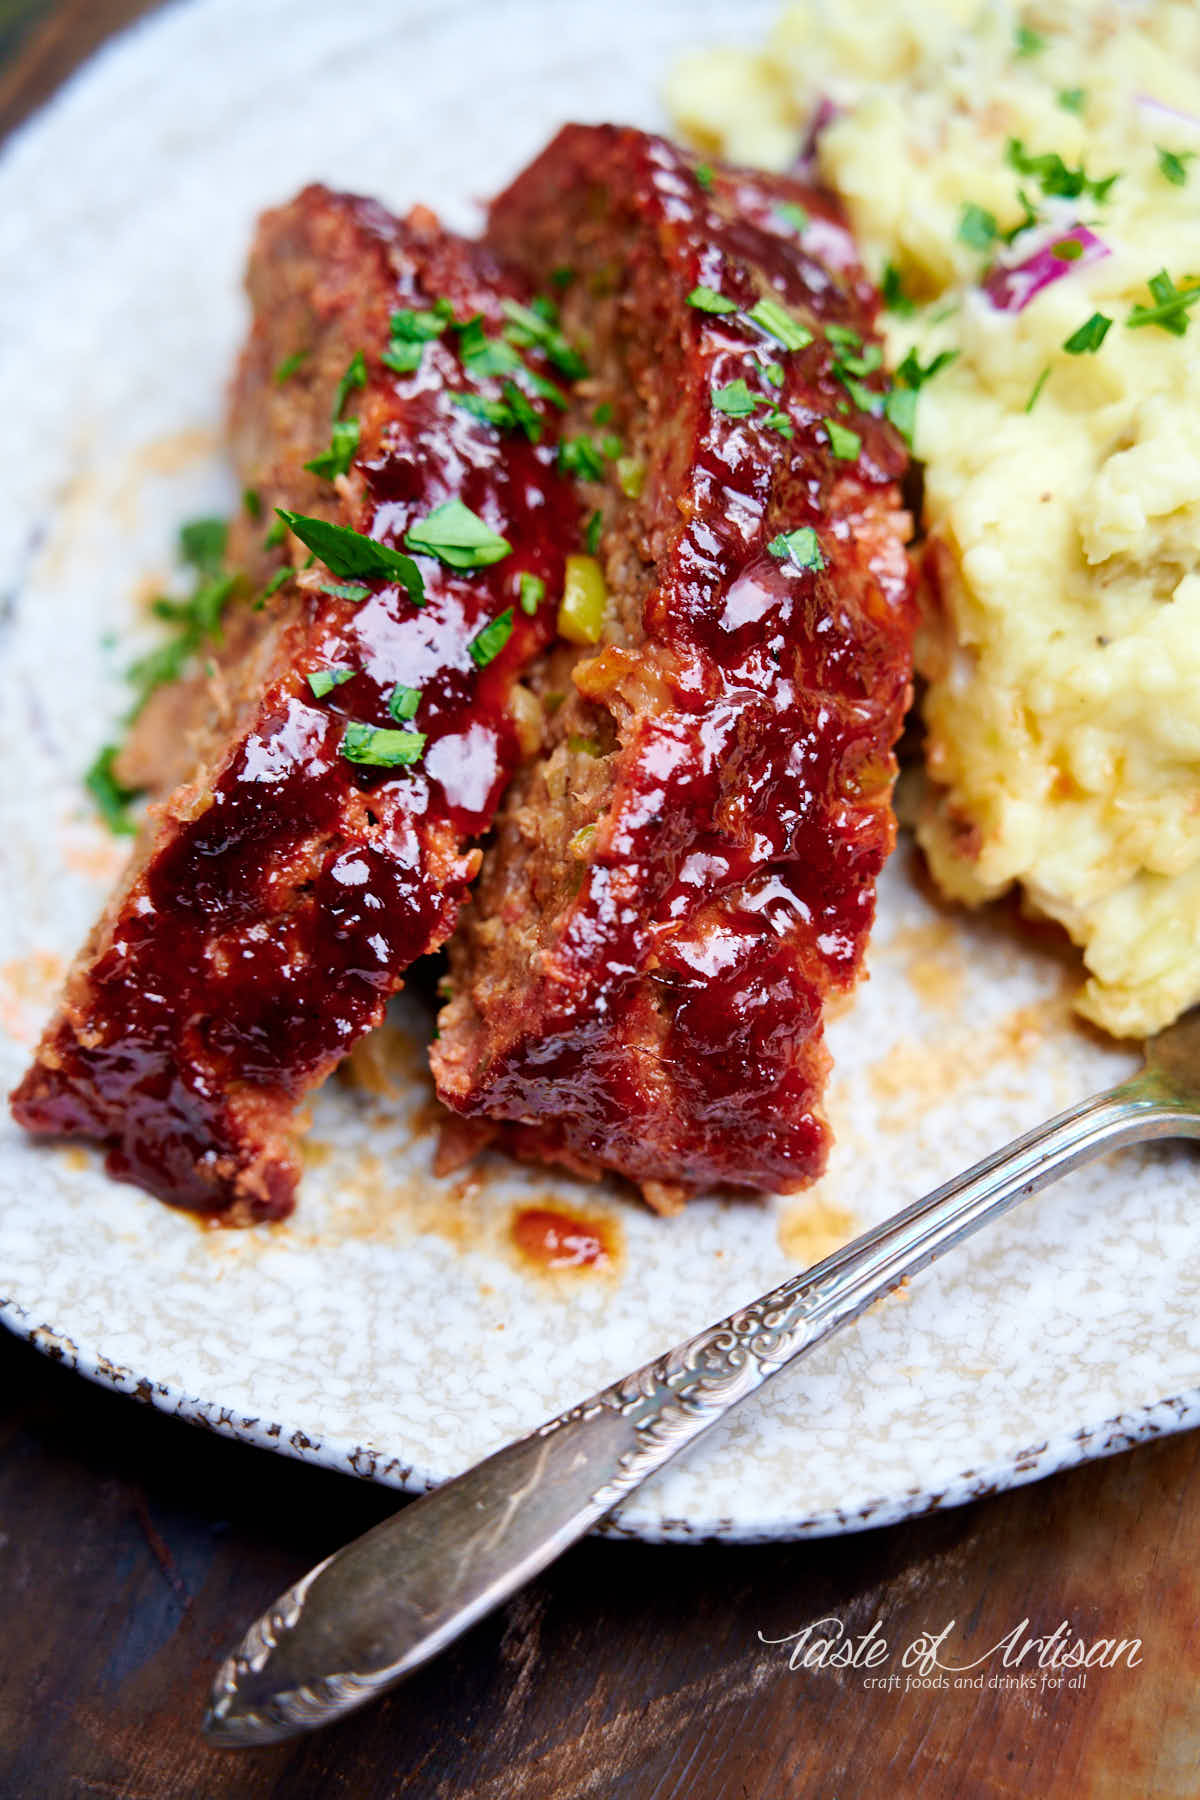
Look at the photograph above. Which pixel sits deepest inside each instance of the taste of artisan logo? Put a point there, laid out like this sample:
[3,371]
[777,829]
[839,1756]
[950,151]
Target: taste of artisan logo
[1019,1659]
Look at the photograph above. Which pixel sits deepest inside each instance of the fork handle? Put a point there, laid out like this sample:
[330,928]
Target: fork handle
[374,1611]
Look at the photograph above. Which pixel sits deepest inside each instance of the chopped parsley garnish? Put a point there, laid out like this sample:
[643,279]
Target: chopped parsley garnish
[977,227]
[351,553]
[1090,336]
[1029,217]
[891,288]
[345,590]
[801,547]
[410,332]
[866,364]
[1027,41]
[591,536]
[323,681]
[382,748]
[843,337]
[343,442]
[287,368]
[411,327]
[196,617]
[482,355]
[1038,385]
[403,702]
[582,458]
[845,444]
[111,798]
[900,405]
[275,535]
[487,644]
[1172,165]
[534,326]
[1169,311]
[772,372]
[402,358]
[791,214]
[458,537]
[1072,100]
[562,277]
[706,299]
[355,377]
[775,319]
[735,399]
[202,544]
[532,591]
[603,413]
[1067,250]
[273,586]
[512,413]
[704,175]
[1055,177]
[252,502]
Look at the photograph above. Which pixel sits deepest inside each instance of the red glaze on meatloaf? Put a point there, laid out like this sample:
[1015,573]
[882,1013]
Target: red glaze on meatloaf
[278,895]
[684,880]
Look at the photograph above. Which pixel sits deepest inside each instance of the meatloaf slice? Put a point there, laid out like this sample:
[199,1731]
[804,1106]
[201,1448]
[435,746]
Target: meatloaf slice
[684,879]
[363,739]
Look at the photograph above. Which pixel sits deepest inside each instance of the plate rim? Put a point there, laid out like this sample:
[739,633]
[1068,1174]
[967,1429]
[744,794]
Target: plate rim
[1067,1449]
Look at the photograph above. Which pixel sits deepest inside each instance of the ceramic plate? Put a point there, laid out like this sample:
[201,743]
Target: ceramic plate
[393,1327]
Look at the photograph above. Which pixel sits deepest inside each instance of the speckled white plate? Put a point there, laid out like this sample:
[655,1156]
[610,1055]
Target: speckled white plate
[391,1328]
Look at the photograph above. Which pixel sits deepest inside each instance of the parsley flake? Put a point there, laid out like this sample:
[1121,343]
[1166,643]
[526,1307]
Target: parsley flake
[403,702]
[1169,312]
[351,553]
[323,681]
[801,547]
[581,458]
[354,377]
[735,399]
[845,444]
[287,368]
[487,644]
[344,590]
[891,288]
[1027,41]
[1055,177]
[534,327]
[381,748]
[252,501]
[591,536]
[343,442]
[532,591]
[202,544]
[706,299]
[1172,165]
[1089,337]
[458,537]
[977,227]
[775,319]
[110,795]
[704,175]
[1072,100]
[792,215]
[1038,385]
[273,586]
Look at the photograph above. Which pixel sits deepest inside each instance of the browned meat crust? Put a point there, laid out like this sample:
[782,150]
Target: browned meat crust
[276,898]
[684,879]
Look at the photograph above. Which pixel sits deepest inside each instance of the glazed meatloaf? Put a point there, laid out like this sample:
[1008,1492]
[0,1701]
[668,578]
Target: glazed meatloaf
[683,880]
[359,735]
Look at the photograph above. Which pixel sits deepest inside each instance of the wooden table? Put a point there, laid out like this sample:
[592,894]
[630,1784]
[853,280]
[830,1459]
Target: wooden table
[134,1549]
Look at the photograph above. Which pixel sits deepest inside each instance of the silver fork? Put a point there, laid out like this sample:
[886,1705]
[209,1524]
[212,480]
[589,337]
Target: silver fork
[371,1613]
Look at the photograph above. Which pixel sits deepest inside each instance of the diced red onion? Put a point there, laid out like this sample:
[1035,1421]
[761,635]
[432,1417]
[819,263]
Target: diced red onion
[1011,289]
[1158,109]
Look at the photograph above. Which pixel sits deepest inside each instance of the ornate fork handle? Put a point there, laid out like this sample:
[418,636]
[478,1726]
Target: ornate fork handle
[374,1611]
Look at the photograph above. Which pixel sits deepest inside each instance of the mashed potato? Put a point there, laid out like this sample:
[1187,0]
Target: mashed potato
[1062,646]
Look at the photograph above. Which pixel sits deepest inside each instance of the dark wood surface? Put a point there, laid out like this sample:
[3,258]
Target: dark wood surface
[134,1549]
